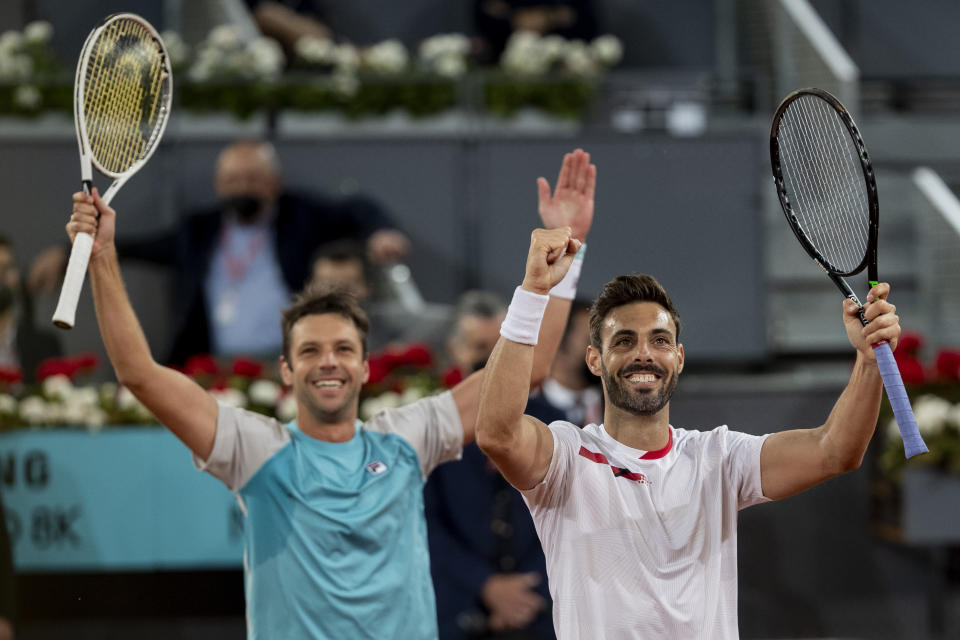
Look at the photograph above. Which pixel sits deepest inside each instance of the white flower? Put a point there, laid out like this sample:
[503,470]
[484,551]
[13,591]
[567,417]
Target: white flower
[552,47]
[450,66]
[411,395]
[224,37]
[932,413]
[8,404]
[58,386]
[264,392]
[314,50]
[287,408]
[126,401]
[177,49]
[71,413]
[524,55]
[607,50]
[85,397]
[38,32]
[345,57]
[444,44]
[345,83]
[33,410]
[577,59]
[94,419]
[108,392]
[389,56]
[10,43]
[267,57]
[230,397]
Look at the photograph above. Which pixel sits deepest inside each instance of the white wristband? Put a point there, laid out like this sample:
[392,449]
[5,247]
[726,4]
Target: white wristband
[522,322]
[567,288]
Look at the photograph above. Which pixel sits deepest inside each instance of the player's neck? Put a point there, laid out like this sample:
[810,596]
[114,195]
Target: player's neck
[338,430]
[647,433]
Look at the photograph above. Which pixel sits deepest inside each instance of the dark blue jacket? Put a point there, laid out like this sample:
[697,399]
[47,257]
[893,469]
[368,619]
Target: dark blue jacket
[460,502]
[302,223]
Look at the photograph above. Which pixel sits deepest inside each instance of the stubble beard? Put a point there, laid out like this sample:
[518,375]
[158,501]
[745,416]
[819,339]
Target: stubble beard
[638,403]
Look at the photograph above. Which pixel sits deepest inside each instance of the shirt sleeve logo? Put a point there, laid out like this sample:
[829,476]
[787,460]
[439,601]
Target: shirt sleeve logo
[376,467]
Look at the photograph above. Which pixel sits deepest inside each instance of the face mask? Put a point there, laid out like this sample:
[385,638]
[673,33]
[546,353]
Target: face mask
[6,297]
[244,207]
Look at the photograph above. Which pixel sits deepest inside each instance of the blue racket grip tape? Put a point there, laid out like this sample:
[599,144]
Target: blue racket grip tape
[912,442]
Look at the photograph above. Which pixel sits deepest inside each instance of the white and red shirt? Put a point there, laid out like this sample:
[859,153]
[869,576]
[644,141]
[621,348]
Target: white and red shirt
[643,544]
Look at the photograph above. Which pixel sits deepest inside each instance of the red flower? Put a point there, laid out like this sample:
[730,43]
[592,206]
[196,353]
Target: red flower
[379,369]
[85,361]
[948,364]
[56,366]
[247,368]
[452,377]
[417,355]
[10,375]
[911,370]
[909,344]
[202,364]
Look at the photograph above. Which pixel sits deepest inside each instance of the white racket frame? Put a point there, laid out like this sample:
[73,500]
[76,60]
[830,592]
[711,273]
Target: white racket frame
[65,314]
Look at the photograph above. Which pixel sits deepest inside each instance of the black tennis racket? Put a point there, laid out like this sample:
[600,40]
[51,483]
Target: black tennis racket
[121,102]
[828,193]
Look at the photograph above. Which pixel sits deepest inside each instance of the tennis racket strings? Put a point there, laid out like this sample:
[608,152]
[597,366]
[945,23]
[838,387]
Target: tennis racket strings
[824,182]
[124,95]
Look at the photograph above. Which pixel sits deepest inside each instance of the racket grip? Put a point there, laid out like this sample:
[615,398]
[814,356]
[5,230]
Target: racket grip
[912,441]
[66,311]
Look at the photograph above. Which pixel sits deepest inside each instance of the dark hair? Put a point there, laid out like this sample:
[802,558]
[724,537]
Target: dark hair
[318,301]
[478,302]
[341,251]
[636,287]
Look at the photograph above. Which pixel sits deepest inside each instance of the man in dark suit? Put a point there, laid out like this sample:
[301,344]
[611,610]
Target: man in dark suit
[237,264]
[489,572]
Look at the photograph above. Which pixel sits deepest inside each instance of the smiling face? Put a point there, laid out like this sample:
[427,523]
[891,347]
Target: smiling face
[639,360]
[326,367]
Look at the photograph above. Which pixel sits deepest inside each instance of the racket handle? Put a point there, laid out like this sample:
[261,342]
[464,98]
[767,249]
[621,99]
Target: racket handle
[66,311]
[912,441]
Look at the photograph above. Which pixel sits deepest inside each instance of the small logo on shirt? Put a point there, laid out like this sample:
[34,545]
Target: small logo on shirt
[376,467]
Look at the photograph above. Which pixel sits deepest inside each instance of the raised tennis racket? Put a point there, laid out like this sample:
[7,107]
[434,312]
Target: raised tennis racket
[121,101]
[829,195]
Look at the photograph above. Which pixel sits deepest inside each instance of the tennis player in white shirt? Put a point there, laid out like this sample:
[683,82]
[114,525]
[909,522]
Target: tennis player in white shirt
[638,519]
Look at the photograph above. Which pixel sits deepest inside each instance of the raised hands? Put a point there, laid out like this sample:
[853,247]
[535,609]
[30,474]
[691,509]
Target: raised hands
[551,253]
[571,204]
[91,215]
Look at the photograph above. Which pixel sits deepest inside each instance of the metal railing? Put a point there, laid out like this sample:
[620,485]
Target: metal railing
[939,258]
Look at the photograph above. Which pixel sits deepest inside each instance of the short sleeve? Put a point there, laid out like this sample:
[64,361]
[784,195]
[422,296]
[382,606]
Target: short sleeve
[244,442]
[555,486]
[431,426]
[742,465]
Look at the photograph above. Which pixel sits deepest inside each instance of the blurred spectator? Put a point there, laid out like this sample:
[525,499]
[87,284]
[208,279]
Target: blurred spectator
[475,331]
[571,388]
[496,20]
[286,21]
[22,345]
[489,571]
[393,321]
[237,263]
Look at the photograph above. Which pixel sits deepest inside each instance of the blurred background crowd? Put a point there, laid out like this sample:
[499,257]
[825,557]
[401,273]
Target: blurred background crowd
[392,149]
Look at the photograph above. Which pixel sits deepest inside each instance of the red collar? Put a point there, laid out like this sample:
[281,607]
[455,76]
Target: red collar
[659,453]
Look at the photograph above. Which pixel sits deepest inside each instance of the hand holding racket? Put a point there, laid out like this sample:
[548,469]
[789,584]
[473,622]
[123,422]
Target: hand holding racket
[121,102]
[828,193]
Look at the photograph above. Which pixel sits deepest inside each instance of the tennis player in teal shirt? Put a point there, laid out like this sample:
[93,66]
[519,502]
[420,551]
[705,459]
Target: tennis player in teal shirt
[335,538]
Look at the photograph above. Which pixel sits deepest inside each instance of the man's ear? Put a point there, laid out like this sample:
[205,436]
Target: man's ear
[286,373]
[593,360]
[680,357]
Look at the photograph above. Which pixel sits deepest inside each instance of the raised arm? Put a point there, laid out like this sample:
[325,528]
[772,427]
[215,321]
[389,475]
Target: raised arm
[177,401]
[793,461]
[569,206]
[521,446]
